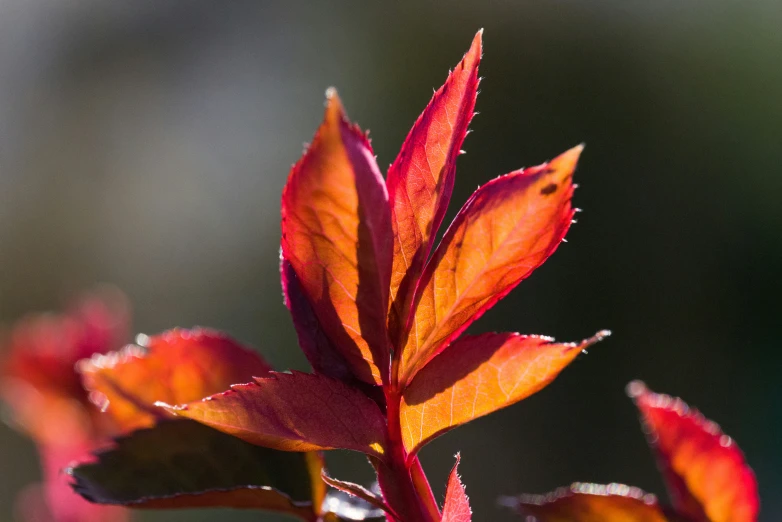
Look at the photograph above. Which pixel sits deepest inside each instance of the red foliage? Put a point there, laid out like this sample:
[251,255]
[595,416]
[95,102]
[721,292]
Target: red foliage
[379,311]
[705,472]
[46,399]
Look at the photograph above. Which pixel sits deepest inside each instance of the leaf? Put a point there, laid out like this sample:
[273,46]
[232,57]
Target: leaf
[457,506]
[705,471]
[177,367]
[184,464]
[359,492]
[421,179]
[344,507]
[293,412]
[336,233]
[324,357]
[37,379]
[507,228]
[478,375]
[590,503]
[54,500]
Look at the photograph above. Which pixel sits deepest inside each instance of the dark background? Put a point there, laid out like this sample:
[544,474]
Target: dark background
[146,144]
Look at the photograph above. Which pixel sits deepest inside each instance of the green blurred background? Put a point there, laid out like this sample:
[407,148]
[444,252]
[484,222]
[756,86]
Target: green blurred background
[146,144]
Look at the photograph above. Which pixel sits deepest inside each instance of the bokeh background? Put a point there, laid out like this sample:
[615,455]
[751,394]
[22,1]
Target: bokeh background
[146,144]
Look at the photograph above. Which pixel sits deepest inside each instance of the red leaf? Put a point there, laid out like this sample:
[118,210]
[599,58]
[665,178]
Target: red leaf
[324,357]
[336,233]
[457,506]
[56,495]
[420,180]
[37,378]
[293,412]
[591,503]
[176,367]
[359,491]
[478,375]
[705,471]
[505,230]
[184,464]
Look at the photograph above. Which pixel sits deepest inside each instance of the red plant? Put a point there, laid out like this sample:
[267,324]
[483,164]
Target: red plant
[379,312]
[47,401]
[379,319]
[707,477]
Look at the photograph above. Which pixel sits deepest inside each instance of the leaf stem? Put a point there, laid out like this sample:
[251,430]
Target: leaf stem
[423,488]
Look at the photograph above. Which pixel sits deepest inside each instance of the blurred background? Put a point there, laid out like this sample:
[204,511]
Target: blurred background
[146,144]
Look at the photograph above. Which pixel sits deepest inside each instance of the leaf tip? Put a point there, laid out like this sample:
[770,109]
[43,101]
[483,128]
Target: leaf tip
[570,157]
[335,111]
[477,41]
[170,408]
[635,389]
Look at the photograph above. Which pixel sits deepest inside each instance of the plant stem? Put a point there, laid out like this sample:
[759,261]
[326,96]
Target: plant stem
[421,484]
[406,492]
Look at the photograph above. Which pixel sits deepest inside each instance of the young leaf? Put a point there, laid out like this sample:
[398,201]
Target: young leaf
[590,503]
[705,471]
[293,412]
[503,233]
[457,506]
[324,357]
[54,499]
[344,507]
[47,402]
[176,367]
[336,233]
[184,464]
[360,492]
[477,375]
[420,180]
[37,379]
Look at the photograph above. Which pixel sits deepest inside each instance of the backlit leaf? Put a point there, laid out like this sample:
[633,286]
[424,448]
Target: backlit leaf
[37,376]
[176,367]
[54,500]
[420,180]
[293,412]
[705,471]
[590,503]
[506,229]
[478,375]
[359,492]
[457,505]
[184,464]
[336,234]
[344,507]
[46,400]
[324,357]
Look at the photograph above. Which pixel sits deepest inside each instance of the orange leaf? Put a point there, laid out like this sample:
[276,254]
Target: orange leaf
[506,229]
[293,412]
[37,378]
[590,503]
[478,375]
[705,471]
[323,356]
[457,505]
[336,233]
[176,367]
[420,180]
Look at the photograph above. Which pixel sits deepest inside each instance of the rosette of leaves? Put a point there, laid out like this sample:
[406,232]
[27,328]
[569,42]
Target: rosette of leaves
[380,312]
